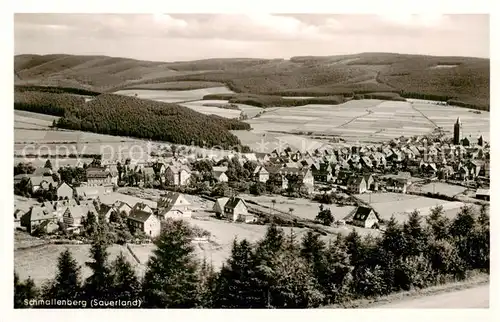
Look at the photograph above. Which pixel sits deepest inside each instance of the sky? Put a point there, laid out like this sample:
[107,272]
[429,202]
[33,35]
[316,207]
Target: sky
[175,37]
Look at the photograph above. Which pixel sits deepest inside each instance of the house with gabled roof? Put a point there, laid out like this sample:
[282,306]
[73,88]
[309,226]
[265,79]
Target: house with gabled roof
[370,181]
[236,209]
[262,157]
[98,176]
[118,207]
[365,217]
[173,205]
[141,206]
[398,185]
[39,218]
[146,222]
[322,172]
[343,177]
[65,191]
[260,174]
[356,185]
[366,162]
[36,183]
[75,214]
[219,174]
[178,175]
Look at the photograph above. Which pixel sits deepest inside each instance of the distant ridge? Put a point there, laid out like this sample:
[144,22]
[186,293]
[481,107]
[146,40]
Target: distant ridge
[466,82]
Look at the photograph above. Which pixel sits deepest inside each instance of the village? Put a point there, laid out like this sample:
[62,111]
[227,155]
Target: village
[67,196]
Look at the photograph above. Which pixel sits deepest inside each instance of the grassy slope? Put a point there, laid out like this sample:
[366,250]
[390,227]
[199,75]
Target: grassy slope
[408,75]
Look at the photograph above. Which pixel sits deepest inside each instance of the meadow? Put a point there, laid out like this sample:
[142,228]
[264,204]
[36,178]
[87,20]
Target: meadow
[40,263]
[370,121]
[223,233]
[172,96]
[32,134]
[401,205]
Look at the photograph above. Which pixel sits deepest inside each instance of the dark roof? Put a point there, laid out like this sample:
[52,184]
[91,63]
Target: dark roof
[233,202]
[355,180]
[362,213]
[139,215]
[36,181]
[97,173]
[167,201]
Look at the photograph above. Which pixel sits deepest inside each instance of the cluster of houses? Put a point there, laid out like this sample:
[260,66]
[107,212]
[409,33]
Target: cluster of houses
[69,214]
[355,168]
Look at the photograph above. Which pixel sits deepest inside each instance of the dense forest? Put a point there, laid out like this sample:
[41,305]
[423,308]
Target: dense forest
[47,102]
[130,116]
[53,89]
[279,271]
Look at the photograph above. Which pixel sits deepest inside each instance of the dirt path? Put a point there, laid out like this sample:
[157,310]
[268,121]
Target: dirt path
[476,297]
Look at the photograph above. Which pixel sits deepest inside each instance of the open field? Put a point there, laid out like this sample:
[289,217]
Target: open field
[32,135]
[176,86]
[223,233]
[174,96]
[40,263]
[371,120]
[473,124]
[25,240]
[131,200]
[302,207]
[440,187]
[308,209]
[262,141]
[400,205]
[201,106]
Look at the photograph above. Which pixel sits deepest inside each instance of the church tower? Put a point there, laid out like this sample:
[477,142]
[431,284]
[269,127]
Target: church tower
[457,132]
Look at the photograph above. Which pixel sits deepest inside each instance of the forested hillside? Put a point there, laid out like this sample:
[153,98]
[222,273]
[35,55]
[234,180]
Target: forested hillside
[464,80]
[130,116]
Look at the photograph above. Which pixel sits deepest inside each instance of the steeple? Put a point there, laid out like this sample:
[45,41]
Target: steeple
[458,121]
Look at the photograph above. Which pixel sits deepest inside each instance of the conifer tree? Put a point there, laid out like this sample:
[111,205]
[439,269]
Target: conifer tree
[207,285]
[337,276]
[237,285]
[438,224]
[24,292]
[414,235]
[67,283]
[126,285]
[171,278]
[463,223]
[393,240]
[294,285]
[100,283]
[267,249]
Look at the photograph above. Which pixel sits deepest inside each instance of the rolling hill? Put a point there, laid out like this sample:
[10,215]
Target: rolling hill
[461,79]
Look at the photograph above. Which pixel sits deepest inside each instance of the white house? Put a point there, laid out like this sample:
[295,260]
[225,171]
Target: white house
[65,191]
[261,174]
[365,217]
[174,205]
[219,174]
[145,222]
[236,209]
[177,175]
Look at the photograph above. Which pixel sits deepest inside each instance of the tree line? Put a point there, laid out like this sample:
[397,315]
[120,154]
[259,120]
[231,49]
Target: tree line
[279,271]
